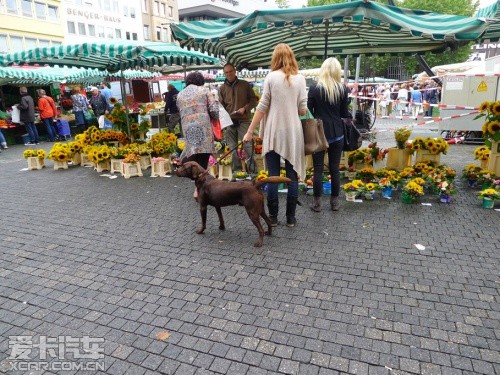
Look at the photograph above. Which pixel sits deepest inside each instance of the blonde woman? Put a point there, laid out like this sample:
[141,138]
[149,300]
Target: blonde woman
[283,99]
[329,101]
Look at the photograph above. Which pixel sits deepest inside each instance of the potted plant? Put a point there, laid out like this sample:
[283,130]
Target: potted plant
[386,187]
[376,156]
[482,153]
[366,174]
[412,191]
[60,154]
[240,176]
[35,158]
[491,132]
[485,178]
[369,190]
[100,155]
[471,174]
[489,196]
[398,158]
[428,149]
[352,189]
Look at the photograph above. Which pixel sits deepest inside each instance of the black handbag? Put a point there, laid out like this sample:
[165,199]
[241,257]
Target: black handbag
[352,136]
[314,135]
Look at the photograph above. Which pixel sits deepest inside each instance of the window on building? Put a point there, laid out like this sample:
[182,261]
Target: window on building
[27,6]
[156,10]
[91,30]
[165,34]
[110,32]
[3,43]
[118,33]
[55,44]
[158,33]
[134,36]
[11,6]
[30,43]
[16,43]
[144,6]
[116,7]
[40,10]
[43,43]
[53,13]
[78,2]
[132,12]
[100,31]
[125,11]
[127,35]
[163,9]
[170,11]
[81,28]
[71,27]
[106,5]
[147,35]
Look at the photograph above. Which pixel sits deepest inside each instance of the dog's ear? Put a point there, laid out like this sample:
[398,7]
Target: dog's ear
[195,170]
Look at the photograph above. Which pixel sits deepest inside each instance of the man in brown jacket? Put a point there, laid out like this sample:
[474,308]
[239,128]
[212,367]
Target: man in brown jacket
[238,98]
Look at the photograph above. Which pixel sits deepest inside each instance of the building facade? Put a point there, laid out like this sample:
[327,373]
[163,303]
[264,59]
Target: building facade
[157,15]
[29,24]
[196,10]
[98,20]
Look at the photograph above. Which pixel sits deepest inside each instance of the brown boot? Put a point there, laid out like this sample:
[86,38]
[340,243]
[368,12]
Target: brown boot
[316,205]
[334,203]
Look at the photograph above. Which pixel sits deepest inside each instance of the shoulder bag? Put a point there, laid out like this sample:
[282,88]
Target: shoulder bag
[314,134]
[352,136]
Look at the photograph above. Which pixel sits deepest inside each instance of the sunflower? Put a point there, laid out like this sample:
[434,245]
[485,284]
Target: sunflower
[419,180]
[429,143]
[134,126]
[113,100]
[493,127]
[484,106]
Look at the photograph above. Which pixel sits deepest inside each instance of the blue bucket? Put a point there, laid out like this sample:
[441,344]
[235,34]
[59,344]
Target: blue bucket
[327,188]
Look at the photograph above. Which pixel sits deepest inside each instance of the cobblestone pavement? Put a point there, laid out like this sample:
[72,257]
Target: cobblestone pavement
[345,292]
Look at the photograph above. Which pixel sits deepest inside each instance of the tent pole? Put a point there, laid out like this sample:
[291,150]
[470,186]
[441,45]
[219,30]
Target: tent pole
[124,96]
[325,56]
[356,79]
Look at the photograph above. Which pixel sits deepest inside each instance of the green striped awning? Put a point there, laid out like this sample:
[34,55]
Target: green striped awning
[491,13]
[351,28]
[110,56]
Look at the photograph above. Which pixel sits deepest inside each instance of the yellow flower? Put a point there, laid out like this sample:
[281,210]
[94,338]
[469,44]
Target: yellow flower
[484,106]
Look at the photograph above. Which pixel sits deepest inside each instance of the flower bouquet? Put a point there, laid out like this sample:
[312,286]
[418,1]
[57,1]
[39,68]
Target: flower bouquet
[353,188]
[163,144]
[412,191]
[100,156]
[262,175]
[402,135]
[60,154]
[366,174]
[118,117]
[471,174]
[399,157]
[35,158]
[241,175]
[376,155]
[485,178]
[491,127]
[369,189]
[428,149]
[489,196]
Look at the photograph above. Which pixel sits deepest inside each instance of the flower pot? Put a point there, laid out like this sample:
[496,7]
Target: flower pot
[472,183]
[225,172]
[35,163]
[484,164]
[145,161]
[131,169]
[350,175]
[445,198]
[398,159]
[350,196]
[102,166]
[387,192]
[60,165]
[369,195]
[488,202]
[327,188]
[160,168]
[116,166]
[424,155]
[212,170]
[407,198]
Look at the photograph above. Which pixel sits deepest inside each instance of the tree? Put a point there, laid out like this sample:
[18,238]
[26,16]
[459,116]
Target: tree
[378,64]
[282,3]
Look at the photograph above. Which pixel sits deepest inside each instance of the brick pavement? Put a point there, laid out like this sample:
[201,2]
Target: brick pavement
[344,292]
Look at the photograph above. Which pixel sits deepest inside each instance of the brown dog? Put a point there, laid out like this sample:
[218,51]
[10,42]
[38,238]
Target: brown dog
[218,193]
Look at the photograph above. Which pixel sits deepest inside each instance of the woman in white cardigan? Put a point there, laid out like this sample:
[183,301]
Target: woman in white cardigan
[283,99]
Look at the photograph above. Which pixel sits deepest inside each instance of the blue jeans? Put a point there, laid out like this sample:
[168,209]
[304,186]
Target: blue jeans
[273,166]
[2,138]
[32,131]
[50,130]
[334,154]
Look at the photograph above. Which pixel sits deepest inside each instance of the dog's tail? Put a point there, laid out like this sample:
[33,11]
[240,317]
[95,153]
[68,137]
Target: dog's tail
[273,180]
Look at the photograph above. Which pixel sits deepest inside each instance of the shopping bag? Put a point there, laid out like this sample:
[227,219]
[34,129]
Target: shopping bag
[352,136]
[216,128]
[314,134]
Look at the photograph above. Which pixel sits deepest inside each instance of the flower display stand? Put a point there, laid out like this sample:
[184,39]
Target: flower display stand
[76,159]
[35,163]
[160,168]
[131,170]
[85,161]
[423,155]
[484,164]
[145,161]
[103,166]
[494,162]
[116,166]
[225,172]
[212,170]
[60,165]
[398,159]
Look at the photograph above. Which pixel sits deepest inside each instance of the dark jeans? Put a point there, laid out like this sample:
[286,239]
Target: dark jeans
[32,131]
[334,154]
[201,159]
[273,166]
[50,129]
